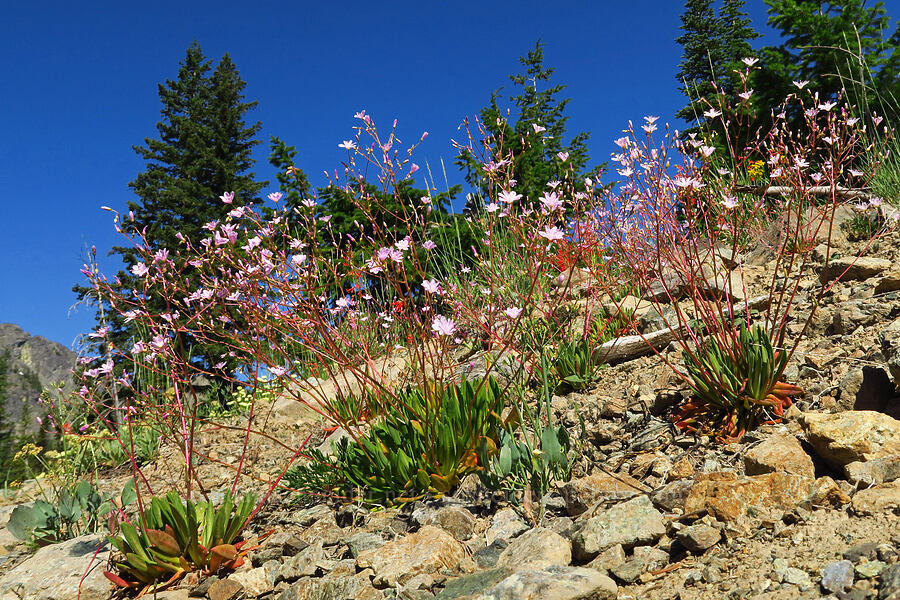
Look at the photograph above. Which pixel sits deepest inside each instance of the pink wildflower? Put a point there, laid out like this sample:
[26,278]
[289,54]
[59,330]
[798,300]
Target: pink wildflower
[552,233]
[441,325]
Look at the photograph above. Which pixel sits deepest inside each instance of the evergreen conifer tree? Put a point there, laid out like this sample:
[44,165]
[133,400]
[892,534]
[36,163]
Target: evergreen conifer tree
[292,181]
[714,46]
[836,45]
[535,150]
[203,150]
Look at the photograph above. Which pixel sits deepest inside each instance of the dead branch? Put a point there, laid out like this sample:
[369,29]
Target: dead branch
[632,346]
[820,190]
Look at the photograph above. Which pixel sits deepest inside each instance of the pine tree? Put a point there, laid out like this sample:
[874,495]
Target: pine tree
[535,155]
[203,150]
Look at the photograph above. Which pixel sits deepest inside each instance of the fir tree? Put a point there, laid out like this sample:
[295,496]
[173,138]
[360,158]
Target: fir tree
[713,49]
[838,45]
[736,34]
[203,150]
[292,181]
[533,136]
[702,63]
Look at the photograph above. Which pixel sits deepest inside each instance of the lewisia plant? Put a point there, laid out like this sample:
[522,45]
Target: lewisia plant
[682,222]
[393,311]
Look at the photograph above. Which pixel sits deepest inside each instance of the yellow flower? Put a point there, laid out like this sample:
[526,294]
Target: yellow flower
[27,450]
[757,170]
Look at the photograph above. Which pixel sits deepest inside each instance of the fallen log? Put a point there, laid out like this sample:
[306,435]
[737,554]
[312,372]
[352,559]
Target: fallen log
[819,190]
[633,346]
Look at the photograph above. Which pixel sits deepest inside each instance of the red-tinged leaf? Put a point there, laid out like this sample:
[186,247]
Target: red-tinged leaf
[226,551]
[219,555]
[118,581]
[164,542]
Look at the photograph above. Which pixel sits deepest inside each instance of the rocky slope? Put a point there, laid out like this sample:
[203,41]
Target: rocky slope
[806,508]
[35,363]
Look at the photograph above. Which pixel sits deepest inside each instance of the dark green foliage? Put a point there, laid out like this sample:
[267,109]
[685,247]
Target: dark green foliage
[835,46]
[86,453]
[574,365]
[518,463]
[534,155]
[864,226]
[821,39]
[203,150]
[701,59]
[539,454]
[377,214]
[292,182]
[713,48]
[736,384]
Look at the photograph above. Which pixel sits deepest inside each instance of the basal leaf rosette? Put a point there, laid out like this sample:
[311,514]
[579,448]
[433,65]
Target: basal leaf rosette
[735,384]
[175,537]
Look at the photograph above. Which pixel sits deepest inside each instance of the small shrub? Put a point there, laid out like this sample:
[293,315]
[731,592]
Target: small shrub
[86,453]
[866,224]
[574,365]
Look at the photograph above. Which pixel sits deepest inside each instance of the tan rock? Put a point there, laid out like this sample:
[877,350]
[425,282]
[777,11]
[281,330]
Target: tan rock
[429,550]
[505,525]
[8,542]
[608,559]
[881,498]
[681,469]
[225,589]
[855,436]
[873,472]
[581,494]
[455,520]
[256,581]
[537,548]
[56,571]
[780,453]
[558,583]
[699,537]
[826,492]
[726,496]
[356,586]
[853,268]
[632,523]
[889,283]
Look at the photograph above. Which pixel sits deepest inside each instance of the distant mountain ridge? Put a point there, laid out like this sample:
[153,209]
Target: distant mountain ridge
[35,363]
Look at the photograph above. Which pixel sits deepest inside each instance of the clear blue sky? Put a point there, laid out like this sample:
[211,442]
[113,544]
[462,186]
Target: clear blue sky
[79,88]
